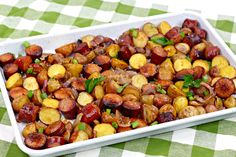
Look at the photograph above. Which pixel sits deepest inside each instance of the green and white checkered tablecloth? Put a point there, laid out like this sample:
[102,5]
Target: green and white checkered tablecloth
[21,18]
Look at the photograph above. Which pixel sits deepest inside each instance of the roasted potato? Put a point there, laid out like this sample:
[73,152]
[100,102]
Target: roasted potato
[219,61]
[139,80]
[118,64]
[30,83]
[28,129]
[103,129]
[131,90]
[202,63]
[19,102]
[53,85]
[168,65]
[49,115]
[164,27]
[98,92]
[17,91]
[112,50]
[84,98]
[151,45]
[230,102]
[181,64]
[171,50]
[179,103]
[150,29]
[141,40]
[87,39]
[182,47]
[228,72]
[179,84]
[174,92]
[14,80]
[167,108]
[137,61]
[147,99]
[79,136]
[49,102]
[42,77]
[66,50]
[74,69]
[201,110]
[56,71]
[188,111]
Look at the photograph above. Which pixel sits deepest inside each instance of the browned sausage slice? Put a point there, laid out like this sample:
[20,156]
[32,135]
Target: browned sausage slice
[17,91]
[28,113]
[224,87]
[79,84]
[103,61]
[10,69]
[35,140]
[82,48]
[158,55]
[189,23]
[161,99]
[90,113]
[131,108]
[68,108]
[54,141]
[112,101]
[149,88]
[148,70]
[174,35]
[34,51]
[198,72]
[6,58]
[164,83]
[23,62]
[91,68]
[55,129]
[180,74]
[211,51]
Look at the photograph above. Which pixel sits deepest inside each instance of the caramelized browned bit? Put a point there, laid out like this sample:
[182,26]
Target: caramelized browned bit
[28,113]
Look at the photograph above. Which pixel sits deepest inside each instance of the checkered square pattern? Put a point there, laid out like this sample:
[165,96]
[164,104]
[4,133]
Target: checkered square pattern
[21,18]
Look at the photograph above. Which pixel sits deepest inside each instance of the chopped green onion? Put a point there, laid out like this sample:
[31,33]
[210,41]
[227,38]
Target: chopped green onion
[134,33]
[162,41]
[37,61]
[108,110]
[74,61]
[134,124]
[160,89]
[40,130]
[81,126]
[121,88]
[26,44]
[205,78]
[206,92]
[43,95]
[191,98]
[154,123]
[182,34]
[30,94]
[30,71]
[114,124]
[188,58]
[19,55]
[190,82]
[91,83]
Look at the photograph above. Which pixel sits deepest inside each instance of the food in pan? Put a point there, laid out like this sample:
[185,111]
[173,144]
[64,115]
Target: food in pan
[99,86]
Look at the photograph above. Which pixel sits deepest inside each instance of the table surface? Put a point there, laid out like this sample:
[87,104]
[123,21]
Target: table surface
[20,18]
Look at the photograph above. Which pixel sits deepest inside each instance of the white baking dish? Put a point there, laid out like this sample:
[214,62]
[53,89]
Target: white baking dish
[50,42]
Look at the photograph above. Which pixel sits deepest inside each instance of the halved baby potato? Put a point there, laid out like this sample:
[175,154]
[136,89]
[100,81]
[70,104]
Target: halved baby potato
[28,129]
[14,80]
[56,71]
[49,115]
[141,40]
[182,47]
[98,92]
[66,50]
[137,60]
[87,39]
[112,50]
[50,102]
[170,49]
[219,61]
[181,64]
[139,80]
[202,63]
[103,129]
[151,45]
[117,63]
[164,27]
[30,83]
[74,69]
[150,29]
[84,98]
[19,102]
[228,72]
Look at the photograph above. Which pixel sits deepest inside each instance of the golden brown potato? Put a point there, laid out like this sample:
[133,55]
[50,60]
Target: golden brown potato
[141,40]
[87,129]
[147,99]
[137,60]
[178,55]
[84,98]
[66,50]
[36,99]
[103,129]
[230,102]
[139,80]
[112,50]
[164,27]
[90,56]
[132,90]
[49,115]
[14,80]
[79,136]
[174,92]
[188,111]
[179,103]
[165,74]
[150,29]
[202,63]
[19,102]
[228,72]
[179,84]
[56,71]
[53,85]
[150,113]
[167,108]
[28,129]
[87,39]
[182,47]
[17,91]
[201,110]
[181,64]
[30,83]
[74,69]
[170,49]
[42,77]
[168,65]
[49,102]
[219,61]
[118,64]
[200,47]
[98,92]
[151,45]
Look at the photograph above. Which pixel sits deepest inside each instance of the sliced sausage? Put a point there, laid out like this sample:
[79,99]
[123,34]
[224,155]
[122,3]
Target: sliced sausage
[196,54]
[103,61]
[174,35]
[123,129]
[189,23]
[41,77]
[63,93]
[17,91]
[149,70]
[35,140]
[165,117]
[124,53]
[192,39]
[37,68]
[55,129]
[202,33]
[180,74]
[200,91]
[198,72]
[90,113]
[34,51]
[224,87]
[91,68]
[28,113]
[6,58]
[214,71]
[54,141]
[164,83]
[80,58]
[82,48]
[112,101]
[148,89]
[68,108]
[23,62]
[158,55]
[79,84]
[161,99]
[125,40]
[131,108]
[211,51]
[10,69]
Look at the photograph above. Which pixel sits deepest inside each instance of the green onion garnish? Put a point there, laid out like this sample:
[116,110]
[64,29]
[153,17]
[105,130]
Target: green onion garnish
[114,124]
[81,126]
[40,130]
[108,111]
[30,94]
[134,124]
[43,95]
[26,44]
